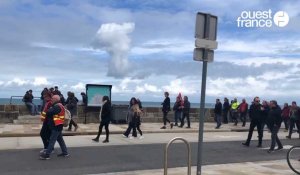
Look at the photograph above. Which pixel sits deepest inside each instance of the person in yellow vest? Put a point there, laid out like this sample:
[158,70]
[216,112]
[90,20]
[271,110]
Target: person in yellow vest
[234,111]
[55,119]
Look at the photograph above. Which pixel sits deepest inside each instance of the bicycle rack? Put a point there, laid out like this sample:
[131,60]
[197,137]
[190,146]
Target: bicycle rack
[166,154]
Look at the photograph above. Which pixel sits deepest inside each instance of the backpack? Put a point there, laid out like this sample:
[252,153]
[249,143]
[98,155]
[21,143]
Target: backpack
[67,117]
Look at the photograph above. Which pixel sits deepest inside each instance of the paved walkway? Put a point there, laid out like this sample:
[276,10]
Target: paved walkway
[153,134]
[22,130]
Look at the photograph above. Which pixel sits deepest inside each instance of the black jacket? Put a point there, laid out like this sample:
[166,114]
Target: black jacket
[187,107]
[226,106]
[274,117]
[218,108]
[27,98]
[166,105]
[71,104]
[106,112]
[255,112]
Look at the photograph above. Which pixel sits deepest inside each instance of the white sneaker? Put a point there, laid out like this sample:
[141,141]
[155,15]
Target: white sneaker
[131,137]
[124,136]
[141,137]
[42,151]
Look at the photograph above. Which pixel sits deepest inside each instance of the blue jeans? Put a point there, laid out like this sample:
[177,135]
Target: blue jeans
[56,135]
[32,107]
[274,138]
[178,116]
[218,118]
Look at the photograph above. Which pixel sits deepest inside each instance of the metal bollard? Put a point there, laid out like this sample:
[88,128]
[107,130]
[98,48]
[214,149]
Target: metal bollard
[189,161]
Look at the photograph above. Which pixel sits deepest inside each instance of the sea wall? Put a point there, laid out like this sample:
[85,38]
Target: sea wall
[8,113]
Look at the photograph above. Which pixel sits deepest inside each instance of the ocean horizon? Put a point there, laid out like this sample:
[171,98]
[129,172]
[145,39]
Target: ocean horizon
[36,101]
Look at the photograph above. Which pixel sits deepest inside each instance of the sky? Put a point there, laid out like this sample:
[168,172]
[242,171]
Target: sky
[145,47]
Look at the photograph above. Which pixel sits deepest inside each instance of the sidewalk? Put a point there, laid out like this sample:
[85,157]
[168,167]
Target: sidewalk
[25,130]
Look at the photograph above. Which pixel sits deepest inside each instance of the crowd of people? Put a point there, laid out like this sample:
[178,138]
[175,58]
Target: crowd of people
[261,115]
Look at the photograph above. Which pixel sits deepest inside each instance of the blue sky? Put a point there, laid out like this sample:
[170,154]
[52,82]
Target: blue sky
[144,48]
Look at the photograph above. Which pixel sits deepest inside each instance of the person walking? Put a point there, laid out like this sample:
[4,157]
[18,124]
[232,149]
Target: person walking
[285,114]
[226,108]
[274,121]
[255,114]
[45,132]
[71,105]
[55,119]
[105,114]
[138,112]
[218,113]
[294,119]
[177,108]
[166,107]
[243,110]
[131,118]
[186,112]
[234,111]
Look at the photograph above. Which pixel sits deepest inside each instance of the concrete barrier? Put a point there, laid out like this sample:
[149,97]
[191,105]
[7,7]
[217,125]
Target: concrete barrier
[91,114]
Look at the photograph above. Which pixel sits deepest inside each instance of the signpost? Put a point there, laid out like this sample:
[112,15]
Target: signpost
[205,43]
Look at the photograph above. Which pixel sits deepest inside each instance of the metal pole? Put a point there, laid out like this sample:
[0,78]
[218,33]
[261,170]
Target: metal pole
[201,119]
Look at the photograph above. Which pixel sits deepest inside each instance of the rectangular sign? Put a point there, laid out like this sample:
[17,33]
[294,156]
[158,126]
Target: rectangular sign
[199,55]
[204,24]
[95,93]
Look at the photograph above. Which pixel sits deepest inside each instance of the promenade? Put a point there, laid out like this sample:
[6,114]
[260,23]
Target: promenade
[20,137]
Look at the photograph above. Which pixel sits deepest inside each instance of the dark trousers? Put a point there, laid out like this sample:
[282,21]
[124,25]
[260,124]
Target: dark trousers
[105,124]
[225,118]
[139,129]
[243,117]
[187,116]
[45,134]
[235,117]
[72,122]
[218,119]
[56,135]
[292,124]
[177,115]
[275,138]
[165,118]
[286,121]
[131,126]
[253,124]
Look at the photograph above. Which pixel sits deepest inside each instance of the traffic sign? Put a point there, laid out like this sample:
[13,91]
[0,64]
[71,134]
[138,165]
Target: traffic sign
[206,23]
[199,55]
[207,44]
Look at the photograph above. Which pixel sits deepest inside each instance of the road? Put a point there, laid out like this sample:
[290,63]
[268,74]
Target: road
[116,158]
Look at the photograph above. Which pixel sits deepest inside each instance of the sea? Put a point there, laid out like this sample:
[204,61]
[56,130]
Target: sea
[18,101]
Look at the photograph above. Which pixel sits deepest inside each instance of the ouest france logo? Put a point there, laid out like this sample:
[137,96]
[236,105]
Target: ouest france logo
[261,19]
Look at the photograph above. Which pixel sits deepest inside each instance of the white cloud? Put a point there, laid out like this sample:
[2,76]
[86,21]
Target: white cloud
[38,81]
[178,86]
[114,39]
[147,88]
[79,87]
[17,82]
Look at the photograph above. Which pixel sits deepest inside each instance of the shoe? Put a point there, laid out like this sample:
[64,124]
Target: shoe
[69,129]
[243,125]
[131,137]
[43,151]
[245,144]
[105,141]
[259,146]
[188,127]
[217,127]
[44,157]
[176,124]
[124,136]
[180,126]
[96,140]
[171,125]
[270,151]
[288,137]
[63,155]
[164,127]
[141,137]
[76,127]
[279,148]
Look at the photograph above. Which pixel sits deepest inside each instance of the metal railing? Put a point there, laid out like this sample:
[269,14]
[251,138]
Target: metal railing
[189,161]
[19,97]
